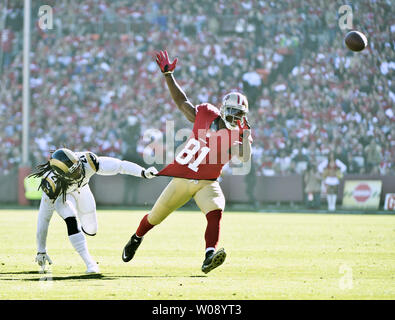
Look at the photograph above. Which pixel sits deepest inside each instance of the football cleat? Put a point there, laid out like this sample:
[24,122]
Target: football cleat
[214,260]
[94,268]
[131,247]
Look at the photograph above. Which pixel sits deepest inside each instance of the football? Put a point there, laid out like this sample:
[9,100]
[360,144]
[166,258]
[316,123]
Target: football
[355,40]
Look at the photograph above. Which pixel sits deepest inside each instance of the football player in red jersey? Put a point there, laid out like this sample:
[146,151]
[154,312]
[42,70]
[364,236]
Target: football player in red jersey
[217,136]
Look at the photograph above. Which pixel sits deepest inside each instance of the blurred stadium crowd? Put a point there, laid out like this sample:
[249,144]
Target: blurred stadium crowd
[95,84]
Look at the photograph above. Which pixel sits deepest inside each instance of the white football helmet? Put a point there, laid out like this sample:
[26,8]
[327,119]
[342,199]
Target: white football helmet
[234,107]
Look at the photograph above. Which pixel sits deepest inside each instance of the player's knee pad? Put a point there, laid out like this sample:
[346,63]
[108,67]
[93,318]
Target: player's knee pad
[72,225]
[89,231]
[89,223]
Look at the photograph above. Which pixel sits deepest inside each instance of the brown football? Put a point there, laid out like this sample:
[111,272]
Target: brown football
[355,40]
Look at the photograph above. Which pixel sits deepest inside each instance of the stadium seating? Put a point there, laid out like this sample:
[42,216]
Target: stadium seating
[95,85]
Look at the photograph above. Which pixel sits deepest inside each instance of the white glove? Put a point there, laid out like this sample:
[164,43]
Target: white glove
[42,258]
[149,173]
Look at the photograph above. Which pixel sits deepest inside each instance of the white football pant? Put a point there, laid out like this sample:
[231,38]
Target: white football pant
[80,204]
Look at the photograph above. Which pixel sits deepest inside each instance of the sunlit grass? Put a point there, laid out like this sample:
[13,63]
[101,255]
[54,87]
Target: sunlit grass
[270,256]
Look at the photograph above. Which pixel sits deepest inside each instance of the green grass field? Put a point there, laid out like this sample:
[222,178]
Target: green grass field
[270,256]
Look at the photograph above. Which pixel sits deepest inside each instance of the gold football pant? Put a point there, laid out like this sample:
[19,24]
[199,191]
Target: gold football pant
[208,196]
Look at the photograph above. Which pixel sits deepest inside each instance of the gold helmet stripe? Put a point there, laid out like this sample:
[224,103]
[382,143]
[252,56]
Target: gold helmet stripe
[90,161]
[59,164]
[51,183]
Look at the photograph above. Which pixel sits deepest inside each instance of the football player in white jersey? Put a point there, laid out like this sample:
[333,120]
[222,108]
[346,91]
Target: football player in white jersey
[65,179]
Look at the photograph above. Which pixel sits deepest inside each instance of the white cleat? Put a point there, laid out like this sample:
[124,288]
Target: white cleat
[93,269]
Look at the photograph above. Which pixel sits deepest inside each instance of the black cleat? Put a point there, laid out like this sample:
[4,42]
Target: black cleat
[131,247]
[214,260]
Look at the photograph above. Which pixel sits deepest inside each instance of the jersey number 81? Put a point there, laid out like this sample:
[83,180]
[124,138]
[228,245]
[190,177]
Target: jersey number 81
[189,151]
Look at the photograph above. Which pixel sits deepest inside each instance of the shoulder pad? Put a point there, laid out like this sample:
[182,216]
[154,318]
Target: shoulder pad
[50,187]
[207,107]
[92,160]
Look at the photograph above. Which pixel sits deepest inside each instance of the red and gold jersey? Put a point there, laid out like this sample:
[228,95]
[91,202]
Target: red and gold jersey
[206,151]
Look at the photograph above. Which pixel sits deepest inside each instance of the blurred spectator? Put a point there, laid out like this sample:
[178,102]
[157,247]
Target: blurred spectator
[353,167]
[312,189]
[373,155]
[250,180]
[282,163]
[331,176]
[307,91]
[301,160]
[252,86]
[6,37]
[324,164]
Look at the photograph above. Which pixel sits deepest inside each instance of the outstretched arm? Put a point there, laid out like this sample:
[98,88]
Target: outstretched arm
[178,95]
[109,166]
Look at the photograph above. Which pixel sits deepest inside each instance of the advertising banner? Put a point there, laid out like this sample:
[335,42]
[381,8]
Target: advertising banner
[389,203]
[363,194]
